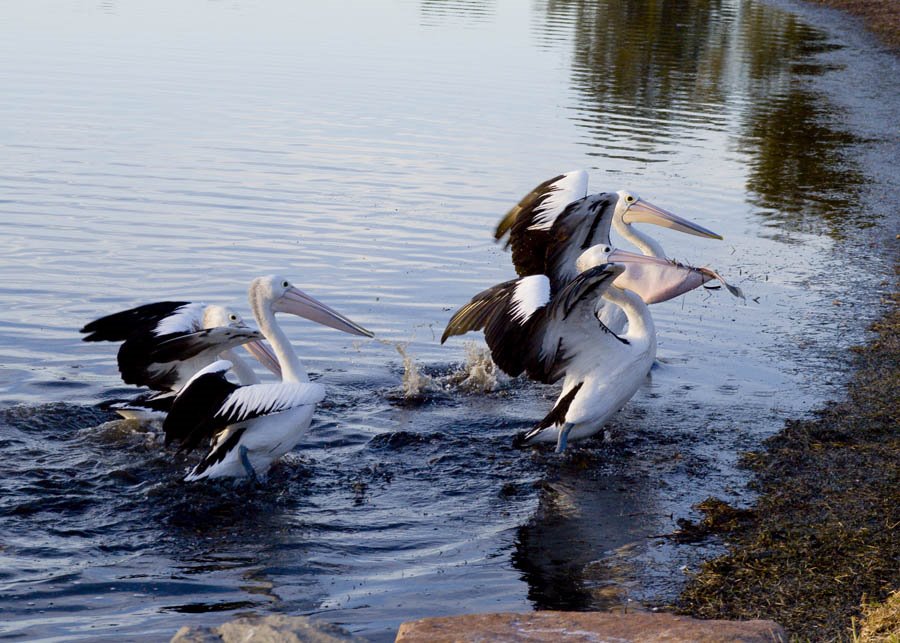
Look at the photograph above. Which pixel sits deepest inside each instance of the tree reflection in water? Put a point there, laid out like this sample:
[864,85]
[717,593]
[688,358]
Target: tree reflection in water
[652,77]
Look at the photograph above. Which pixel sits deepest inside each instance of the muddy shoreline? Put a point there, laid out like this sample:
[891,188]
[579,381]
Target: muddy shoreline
[821,539]
[819,547]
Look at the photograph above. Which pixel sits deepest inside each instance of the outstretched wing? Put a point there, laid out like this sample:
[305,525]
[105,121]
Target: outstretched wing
[510,314]
[143,319]
[529,222]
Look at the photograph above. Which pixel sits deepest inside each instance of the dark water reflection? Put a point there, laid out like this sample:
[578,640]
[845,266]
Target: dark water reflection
[366,150]
[655,76]
[801,172]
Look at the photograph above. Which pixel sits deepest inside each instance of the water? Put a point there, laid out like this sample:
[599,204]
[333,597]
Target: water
[365,151]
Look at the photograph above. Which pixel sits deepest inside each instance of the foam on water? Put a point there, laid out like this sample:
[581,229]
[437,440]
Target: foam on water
[478,374]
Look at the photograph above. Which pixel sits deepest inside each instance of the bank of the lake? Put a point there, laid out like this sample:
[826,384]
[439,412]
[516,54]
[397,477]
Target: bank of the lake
[820,545]
[821,539]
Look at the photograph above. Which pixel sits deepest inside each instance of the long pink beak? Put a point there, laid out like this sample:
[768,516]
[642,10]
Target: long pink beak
[645,212]
[656,280]
[264,355]
[297,302]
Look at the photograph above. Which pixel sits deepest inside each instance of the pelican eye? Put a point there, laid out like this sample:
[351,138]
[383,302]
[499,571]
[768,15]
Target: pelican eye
[630,199]
[232,317]
[285,284]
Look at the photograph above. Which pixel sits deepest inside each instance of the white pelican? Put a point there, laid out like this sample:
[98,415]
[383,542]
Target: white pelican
[249,427]
[154,405]
[514,314]
[558,220]
[602,370]
[555,222]
[167,342]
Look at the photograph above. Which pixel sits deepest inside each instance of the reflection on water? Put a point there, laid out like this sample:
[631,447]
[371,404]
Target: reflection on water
[655,77]
[438,12]
[589,512]
[799,171]
[647,72]
[176,150]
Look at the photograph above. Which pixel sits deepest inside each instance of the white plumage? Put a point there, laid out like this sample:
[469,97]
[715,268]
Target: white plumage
[250,427]
[530,294]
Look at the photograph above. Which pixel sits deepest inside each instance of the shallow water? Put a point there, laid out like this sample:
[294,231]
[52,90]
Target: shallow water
[365,151]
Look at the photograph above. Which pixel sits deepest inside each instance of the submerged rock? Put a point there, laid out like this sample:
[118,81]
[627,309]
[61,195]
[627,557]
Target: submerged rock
[587,627]
[266,629]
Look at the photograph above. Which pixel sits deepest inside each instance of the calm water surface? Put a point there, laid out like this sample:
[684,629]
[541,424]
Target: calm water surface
[365,150]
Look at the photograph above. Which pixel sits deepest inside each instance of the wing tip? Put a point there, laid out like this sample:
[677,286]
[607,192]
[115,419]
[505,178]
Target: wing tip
[524,439]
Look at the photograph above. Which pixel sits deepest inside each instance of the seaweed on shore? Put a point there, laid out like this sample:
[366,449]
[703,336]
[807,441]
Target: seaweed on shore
[822,538]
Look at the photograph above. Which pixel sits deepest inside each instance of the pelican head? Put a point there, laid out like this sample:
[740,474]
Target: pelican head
[282,297]
[652,279]
[631,208]
[215,316]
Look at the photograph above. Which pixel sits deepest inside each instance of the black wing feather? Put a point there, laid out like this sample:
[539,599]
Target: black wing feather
[151,400]
[557,415]
[475,314]
[525,208]
[590,283]
[193,416]
[134,360]
[218,454]
[529,246]
[582,224]
[514,345]
[120,326]
[183,346]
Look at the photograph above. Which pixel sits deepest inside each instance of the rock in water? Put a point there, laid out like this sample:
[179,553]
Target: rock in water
[587,627]
[267,629]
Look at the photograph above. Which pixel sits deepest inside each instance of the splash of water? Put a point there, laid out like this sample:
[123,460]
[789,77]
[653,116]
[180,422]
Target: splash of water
[479,374]
[415,382]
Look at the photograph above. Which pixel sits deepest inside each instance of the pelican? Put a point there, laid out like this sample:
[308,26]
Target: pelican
[555,222]
[154,406]
[603,370]
[167,342]
[558,220]
[250,427]
[514,314]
